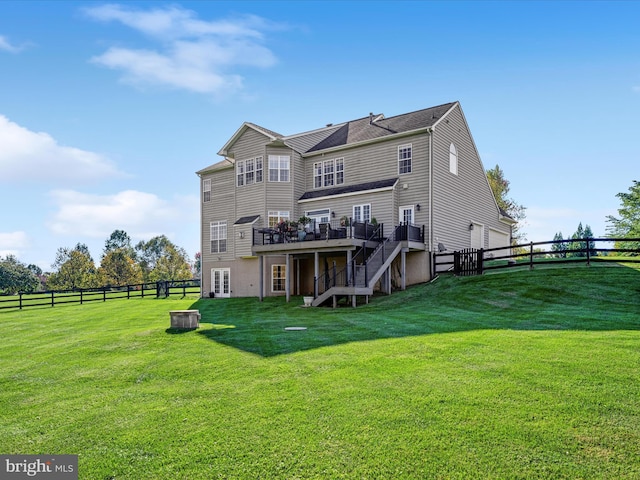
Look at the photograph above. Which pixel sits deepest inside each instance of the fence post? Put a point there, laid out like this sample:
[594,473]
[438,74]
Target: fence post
[143,290]
[52,300]
[588,253]
[20,293]
[104,294]
[184,289]
[531,256]
[80,296]
[479,261]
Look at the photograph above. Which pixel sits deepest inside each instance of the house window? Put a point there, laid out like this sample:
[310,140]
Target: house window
[279,166]
[258,169]
[339,171]
[328,173]
[453,159]
[275,217]
[404,158]
[240,172]
[278,278]
[317,175]
[206,190]
[249,171]
[218,237]
[319,216]
[362,213]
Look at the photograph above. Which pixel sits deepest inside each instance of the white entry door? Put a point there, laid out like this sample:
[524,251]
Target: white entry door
[406,215]
[220,281]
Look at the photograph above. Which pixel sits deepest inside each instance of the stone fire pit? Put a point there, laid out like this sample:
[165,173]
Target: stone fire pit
[185,319]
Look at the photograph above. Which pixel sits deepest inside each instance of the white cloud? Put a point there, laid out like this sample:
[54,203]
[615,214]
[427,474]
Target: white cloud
[192,54]
[12,243]
[27,155]
[8,47]
[142,215]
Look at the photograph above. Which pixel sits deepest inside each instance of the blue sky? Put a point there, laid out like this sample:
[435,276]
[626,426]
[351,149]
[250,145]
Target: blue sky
[108,109]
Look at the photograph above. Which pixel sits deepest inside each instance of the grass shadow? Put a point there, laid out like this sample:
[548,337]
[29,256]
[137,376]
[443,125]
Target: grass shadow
[587,298]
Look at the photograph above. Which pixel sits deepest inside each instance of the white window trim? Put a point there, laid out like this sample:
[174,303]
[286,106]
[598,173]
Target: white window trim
[278,170]
[401,211]
[283,278]
[320,177]
[277,216]
[362,208]
[206,188]
[220,226]
[453,159]
[402,160]
[242,172]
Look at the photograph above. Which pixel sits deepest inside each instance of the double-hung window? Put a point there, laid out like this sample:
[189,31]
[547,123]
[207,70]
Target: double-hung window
[275,217]
[258,169]
[206,190]
[404,158]
[279,168]
[328,173]
[362,213]
[249,171]
[240,172]
[218,231]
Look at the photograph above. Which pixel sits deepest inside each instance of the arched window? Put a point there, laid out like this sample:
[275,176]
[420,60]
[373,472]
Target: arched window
[453,159]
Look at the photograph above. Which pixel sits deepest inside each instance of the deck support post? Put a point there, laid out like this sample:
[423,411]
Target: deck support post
[261,275]
[287,285]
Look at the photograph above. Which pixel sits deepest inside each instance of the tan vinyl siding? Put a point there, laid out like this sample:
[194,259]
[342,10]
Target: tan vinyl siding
[280,195]
[459,200]
[382,205]
[378,161]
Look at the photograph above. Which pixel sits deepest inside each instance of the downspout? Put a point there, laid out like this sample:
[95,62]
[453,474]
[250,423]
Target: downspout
[201,238]
[431,131]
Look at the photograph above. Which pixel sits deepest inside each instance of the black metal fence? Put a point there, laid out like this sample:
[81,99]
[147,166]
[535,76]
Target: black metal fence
[586,250]
[85,295]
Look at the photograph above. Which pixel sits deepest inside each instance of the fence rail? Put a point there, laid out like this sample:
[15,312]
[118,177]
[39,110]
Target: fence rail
[478,261]
[85,295]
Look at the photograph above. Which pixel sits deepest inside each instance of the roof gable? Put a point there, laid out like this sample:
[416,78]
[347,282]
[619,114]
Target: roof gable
[246,126]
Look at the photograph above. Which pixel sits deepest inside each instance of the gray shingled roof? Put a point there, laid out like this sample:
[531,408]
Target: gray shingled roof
[249,219]
[362,187]
[363,129]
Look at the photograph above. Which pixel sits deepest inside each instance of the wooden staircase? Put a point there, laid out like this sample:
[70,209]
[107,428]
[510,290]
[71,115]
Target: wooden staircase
[366,275]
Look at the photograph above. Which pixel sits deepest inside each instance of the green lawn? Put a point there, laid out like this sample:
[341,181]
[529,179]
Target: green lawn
[509,375]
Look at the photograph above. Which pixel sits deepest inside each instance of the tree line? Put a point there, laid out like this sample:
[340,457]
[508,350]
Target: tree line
[121,263]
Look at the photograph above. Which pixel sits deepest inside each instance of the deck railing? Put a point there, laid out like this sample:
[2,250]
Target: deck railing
[293,232]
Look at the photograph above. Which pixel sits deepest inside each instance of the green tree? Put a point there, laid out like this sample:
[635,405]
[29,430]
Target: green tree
[160,259]
[173,265]
[74,269]
[576,244]
[500,188]
[16,277]
[627,223]
[118,268]
[560,248]
[119,240]
[590,244]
